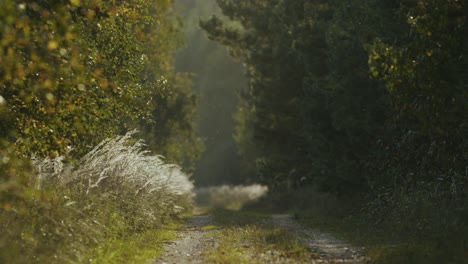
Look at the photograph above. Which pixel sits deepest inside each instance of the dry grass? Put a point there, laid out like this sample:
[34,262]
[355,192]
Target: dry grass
[112,206]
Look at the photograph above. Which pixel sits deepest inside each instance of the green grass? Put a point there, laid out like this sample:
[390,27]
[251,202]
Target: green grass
[98,232]
[138,248]
[246,237]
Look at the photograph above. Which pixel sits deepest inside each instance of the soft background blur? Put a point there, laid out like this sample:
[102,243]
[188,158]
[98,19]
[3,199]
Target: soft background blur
[217,80]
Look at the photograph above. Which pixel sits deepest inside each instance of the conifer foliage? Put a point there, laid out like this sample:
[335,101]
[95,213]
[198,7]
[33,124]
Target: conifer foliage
[341,91]
[359,99]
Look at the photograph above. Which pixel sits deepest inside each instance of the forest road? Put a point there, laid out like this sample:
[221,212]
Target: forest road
[330,249]
[192,242]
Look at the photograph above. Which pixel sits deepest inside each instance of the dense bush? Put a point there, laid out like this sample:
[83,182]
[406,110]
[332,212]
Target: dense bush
[73,73]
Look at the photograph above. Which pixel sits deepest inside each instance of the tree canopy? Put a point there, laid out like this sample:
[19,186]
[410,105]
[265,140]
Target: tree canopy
[341,91]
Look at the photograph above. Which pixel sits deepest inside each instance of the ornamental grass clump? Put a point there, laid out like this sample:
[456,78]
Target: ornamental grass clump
[76,211]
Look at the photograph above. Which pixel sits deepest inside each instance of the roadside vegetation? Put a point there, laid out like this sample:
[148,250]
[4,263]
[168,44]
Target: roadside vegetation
[398,238]
[355,117]
[75,78]
[117,204]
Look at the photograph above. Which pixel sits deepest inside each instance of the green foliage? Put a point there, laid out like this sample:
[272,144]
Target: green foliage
[75,73]
[68,68]
[59,76]
[171,128]
[343,110]
[425,74]
[52,229]
[335,89]
[310,109]
[136,248]
[268,110]
[362,99]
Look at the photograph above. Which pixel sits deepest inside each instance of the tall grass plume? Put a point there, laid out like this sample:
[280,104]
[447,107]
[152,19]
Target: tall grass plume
[75,211]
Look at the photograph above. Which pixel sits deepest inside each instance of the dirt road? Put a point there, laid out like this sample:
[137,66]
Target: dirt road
[329,248]
[190,244]
[193,242]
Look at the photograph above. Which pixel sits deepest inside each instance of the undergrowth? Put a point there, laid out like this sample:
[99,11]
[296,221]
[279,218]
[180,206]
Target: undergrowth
[424,224]
[117,204]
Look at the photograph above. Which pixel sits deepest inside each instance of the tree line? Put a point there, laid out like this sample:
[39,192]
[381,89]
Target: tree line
[363,100]
[353,96]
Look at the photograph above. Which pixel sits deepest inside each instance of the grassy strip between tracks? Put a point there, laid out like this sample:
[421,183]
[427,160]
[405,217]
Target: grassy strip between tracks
[246,237]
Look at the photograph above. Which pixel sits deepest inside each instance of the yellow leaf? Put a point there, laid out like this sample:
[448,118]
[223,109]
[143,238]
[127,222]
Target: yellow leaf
[50,96]
[7,207]
[68,36]
[47,84]
[52,45]
[103,83]
[75,2]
